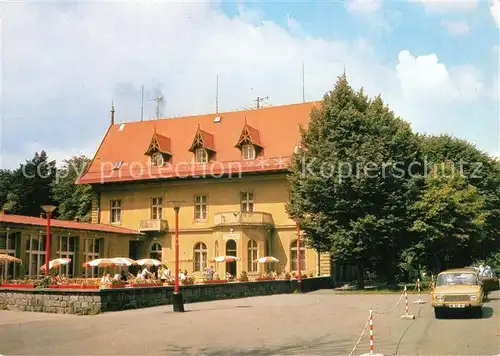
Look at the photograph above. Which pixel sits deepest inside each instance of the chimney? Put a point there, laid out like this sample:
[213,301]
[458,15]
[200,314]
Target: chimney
[112,113]
[41,215]
[76,219]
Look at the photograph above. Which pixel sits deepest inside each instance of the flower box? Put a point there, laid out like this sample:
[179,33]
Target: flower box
[213,281]
[135,285]
[88,286]
[56,286]
[265,279]
[6,285]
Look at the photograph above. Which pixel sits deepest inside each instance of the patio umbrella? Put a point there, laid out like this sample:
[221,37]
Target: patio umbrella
[267,259]
[148,262]
[226,259]
[123,261]
[9,258]
[103,262]
[56,263]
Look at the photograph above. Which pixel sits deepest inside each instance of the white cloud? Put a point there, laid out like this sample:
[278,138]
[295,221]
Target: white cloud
[442,6]
[363,6]
[456,28]
[495,11]
[63,63]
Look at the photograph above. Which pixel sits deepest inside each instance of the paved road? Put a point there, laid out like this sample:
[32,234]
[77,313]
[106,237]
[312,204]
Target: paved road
[318,323]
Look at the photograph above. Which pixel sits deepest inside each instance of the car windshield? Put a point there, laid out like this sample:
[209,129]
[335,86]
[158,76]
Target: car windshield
[457,278]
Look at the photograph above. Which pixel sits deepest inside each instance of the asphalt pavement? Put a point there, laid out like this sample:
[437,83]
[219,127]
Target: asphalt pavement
[319,323]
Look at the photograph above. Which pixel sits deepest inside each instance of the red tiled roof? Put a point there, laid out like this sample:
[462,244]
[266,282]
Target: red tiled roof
[31,220]
[164,143]
[265,126]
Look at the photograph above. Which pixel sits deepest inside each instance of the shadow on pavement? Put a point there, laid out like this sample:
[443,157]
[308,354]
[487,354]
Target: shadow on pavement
[452,314]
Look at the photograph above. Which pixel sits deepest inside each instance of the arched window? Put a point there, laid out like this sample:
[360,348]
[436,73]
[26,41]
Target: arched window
[155,251]
[293,259]
[200,257]
[231,251]
[252,256]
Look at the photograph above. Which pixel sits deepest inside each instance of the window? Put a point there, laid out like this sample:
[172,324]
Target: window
[91,251]
[246,202]
[155,251]
[116,211]
[156,208]
[158,160]
[35,255]
[200,257]
[8,247]
[200,207]
[66,249]
[293,259]
[201,155]
[252,256]
[248,152]
[231,251]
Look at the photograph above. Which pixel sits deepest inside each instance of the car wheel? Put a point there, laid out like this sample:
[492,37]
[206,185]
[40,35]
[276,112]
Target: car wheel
[438,313]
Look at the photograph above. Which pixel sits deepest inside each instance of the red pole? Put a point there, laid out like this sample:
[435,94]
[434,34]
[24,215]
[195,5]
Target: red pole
[176,289]
[47,245]
[372,345]
[299,267]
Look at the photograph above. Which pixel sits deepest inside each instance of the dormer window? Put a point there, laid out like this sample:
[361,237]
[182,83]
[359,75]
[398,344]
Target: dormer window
[249,143]
[159,150]
[201,155]
[248,152]
[203,146]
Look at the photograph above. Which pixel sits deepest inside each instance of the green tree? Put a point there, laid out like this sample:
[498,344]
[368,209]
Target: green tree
[350,185]
[6,177]
[30,187]
[74,201]
[450,216]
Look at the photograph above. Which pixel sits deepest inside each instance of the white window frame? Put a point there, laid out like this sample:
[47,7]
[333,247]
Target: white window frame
[200,258]
[91,254]
[158,159]
[201,155]
[248,152]
[200,207]
[247,202]
[11,252]
[69,269]
[37,256]
[293,250]
[253,254]
[156,208]
[116,211]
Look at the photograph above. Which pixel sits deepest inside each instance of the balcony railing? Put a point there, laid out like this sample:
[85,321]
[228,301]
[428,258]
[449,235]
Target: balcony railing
[153,225]
[243,218]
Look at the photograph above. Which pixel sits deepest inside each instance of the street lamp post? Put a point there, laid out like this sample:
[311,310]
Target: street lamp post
[178,303]
[48,212]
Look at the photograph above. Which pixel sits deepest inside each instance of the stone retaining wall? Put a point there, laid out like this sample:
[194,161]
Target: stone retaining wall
[89,302]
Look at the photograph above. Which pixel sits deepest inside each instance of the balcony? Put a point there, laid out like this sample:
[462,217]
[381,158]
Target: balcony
[235,218]
[155,225]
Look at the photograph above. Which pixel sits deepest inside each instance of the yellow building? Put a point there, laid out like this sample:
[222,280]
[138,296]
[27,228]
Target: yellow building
[228,170]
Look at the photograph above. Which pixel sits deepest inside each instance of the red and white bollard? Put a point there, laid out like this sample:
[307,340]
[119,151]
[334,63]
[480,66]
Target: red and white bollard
[419,300]
[407,315]
[372,344]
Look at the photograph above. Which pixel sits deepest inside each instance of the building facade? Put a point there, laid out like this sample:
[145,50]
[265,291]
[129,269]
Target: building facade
[228,174]
[24,237]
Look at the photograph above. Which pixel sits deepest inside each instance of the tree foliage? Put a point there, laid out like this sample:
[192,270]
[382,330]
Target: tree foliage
[74,201]
[371,192]
[38,182]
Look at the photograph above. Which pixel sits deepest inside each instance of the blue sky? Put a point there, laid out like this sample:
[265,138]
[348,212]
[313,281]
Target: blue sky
[436,64]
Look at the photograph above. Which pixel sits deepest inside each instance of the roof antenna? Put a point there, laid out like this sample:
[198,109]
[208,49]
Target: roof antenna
[142,103]
[217,96]
[259,99]
[112,113]
[159,101]
[303,85]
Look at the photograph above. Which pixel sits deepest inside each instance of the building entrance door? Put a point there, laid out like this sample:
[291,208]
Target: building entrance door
[231,251]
